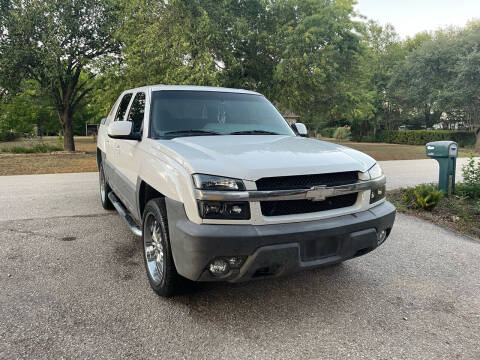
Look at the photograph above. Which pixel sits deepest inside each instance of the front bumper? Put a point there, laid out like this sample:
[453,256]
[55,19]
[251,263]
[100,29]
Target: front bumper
[273,250]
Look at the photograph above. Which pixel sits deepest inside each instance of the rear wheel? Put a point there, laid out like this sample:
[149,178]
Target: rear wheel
[104,189]
[157,254]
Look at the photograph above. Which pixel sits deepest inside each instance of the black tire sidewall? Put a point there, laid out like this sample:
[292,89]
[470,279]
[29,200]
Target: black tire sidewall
[107,204]
[167,284]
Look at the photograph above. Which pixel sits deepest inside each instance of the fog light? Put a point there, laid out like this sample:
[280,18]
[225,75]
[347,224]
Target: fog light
[235,261]
[218,267]
[381,236]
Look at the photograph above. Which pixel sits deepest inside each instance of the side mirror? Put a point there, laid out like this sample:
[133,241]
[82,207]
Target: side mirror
[300,129]
[122,130]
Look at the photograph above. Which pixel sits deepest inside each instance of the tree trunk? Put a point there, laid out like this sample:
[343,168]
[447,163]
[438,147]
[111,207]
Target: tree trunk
[66,120]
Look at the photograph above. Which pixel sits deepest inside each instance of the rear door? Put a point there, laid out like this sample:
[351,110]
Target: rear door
[128,163]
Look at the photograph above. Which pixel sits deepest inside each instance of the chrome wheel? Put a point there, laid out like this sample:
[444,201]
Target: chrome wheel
[154,252]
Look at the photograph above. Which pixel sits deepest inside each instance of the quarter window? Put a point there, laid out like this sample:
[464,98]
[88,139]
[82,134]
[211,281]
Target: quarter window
[137,111]
[122,108]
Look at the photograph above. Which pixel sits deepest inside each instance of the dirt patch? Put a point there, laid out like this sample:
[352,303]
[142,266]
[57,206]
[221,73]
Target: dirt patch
[454,212]
[29,164]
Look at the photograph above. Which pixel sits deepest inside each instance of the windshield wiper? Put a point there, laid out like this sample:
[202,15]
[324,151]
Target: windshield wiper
[191,131]
[253,132]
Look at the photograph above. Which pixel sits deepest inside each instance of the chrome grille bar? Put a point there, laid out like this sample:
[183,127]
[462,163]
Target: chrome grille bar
[315,193]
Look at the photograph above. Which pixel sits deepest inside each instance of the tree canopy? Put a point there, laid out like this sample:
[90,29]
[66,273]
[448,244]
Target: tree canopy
[317,58]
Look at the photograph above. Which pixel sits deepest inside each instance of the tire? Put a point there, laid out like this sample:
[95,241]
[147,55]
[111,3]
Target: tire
[157,254]
[104,189]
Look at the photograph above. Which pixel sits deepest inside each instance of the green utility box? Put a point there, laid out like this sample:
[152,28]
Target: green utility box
[445,152]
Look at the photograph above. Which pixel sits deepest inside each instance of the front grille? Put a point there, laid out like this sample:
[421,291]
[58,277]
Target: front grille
[306,181]
[290,207]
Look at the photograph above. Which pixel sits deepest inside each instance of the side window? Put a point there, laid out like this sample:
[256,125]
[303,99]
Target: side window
[122,108]
[137,110]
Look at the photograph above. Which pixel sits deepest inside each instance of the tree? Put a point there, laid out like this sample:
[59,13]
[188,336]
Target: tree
[317,71]
[60,45]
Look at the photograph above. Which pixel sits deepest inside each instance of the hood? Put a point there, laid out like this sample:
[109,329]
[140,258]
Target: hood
[251,157]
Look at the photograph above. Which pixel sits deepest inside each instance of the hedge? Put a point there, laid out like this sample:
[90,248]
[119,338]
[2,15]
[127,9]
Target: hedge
[421,137]
[8,135]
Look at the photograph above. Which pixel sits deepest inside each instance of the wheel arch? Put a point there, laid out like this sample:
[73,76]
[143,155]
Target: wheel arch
[145,193]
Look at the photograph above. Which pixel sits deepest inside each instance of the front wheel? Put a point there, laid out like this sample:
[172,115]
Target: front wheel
[157,254]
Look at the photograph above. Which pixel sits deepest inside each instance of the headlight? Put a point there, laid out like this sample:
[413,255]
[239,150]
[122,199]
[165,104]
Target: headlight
[226,210]
[376,194]
[375,171]
[219,183]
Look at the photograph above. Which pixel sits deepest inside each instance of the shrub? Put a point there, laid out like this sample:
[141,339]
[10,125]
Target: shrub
[425,196]
[466,190]
[8,135]
[327,132]
[342,133]
[421,137]
[471,180]
[471,172]
[38,148]
[477,207]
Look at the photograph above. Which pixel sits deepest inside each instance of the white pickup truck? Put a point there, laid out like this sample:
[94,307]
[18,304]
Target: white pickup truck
[221,188]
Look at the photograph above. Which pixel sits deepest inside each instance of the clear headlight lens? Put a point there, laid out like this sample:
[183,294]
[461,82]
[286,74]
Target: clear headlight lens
[219,183]
[375,171]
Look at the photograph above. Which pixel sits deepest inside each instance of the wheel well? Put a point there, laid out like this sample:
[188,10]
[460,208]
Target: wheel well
[146,193]
[99,157]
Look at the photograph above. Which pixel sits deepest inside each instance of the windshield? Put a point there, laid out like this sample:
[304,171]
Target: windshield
[202,113]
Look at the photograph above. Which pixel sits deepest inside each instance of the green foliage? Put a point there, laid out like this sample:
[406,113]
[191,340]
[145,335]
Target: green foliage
[471,180]
[327,132]
[37,148]
[468,190]
[425,196]
[342,134]
[8,135]
[477,208]
[471,172]
[59,140]
[60,46]
[421,137]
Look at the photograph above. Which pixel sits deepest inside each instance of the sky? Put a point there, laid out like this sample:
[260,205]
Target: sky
[413,16]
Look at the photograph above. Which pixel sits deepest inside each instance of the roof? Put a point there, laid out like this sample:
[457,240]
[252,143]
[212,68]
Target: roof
[193,88]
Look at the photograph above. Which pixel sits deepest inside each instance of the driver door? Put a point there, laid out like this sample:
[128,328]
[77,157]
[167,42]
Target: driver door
[128,163]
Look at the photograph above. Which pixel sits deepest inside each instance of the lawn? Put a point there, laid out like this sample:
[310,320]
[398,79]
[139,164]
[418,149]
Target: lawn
[84,158]
[383,151]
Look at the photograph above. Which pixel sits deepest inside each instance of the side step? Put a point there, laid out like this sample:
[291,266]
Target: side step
[124,213]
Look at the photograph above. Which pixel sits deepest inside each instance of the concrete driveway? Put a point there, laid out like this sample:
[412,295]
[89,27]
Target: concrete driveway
[73,286]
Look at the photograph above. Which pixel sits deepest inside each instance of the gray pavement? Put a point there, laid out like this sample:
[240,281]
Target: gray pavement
[73,286]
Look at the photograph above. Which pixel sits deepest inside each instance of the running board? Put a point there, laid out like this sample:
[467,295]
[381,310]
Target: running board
[124,213]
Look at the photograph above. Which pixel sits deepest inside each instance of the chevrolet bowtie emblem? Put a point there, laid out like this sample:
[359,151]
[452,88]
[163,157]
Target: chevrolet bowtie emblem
[317,193]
